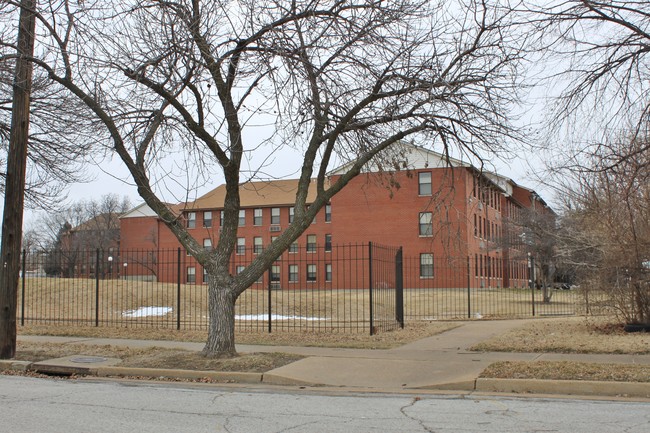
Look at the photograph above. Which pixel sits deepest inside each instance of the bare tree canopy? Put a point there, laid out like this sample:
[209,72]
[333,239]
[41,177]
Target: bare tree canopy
[605,236]
[600,54]
[60,137]
[185,89]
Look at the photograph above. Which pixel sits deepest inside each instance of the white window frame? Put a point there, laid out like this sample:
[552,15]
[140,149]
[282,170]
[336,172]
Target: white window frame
[190,275]
[241,246]
[258,245]
[312,246]
[294,276]
[312,269]
[207,222]
[258,217]
[425,228]
[191,220]
[424,187]
[275,215]
[426,264]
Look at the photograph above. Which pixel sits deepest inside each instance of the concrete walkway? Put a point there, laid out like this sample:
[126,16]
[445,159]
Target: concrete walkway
[439,362]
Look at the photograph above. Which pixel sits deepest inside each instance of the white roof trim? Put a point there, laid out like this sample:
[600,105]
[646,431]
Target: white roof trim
[142,210]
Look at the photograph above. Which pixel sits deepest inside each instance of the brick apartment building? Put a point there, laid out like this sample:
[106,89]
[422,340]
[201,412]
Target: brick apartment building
[438,211]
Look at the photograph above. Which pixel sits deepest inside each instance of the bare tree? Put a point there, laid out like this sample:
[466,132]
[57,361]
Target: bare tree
[597,58]
[606,236]
[337,81]
[60,137]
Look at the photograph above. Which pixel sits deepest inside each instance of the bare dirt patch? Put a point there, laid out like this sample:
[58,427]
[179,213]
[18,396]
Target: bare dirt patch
[574,335]
[384,340]
[156,357]
[566,370]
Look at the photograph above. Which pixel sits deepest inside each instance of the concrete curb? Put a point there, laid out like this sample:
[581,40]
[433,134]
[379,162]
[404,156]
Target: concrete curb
[565,387]
[488,385]
[12,365]
[274,379]
[466,385]
[217,376]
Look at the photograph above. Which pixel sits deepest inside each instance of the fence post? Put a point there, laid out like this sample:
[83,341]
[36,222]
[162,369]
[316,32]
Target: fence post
[269,312]
[469,288]
[22,300]
[531,280]
[97,287]
[399,287]
[372,324]
[178,289]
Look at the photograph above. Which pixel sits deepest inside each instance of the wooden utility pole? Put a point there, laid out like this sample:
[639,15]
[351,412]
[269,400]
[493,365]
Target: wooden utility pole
[12,220]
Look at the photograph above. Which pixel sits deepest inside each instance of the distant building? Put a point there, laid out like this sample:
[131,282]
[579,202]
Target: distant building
[438,211]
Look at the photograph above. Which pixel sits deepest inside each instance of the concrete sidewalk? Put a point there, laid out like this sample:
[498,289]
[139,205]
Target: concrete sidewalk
[440,362]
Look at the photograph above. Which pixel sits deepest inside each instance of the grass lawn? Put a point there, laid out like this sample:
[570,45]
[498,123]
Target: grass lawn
[573,335]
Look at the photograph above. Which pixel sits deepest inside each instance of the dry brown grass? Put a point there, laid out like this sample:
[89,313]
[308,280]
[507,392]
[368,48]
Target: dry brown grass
[384,340]
[566,370]
[73,300]
[574,335]
[156,357]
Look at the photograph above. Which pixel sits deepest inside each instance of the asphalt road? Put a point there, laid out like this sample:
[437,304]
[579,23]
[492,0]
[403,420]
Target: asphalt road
[67,406]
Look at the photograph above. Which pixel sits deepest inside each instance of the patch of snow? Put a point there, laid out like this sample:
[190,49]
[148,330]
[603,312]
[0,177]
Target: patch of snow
[147,312]
[276,317]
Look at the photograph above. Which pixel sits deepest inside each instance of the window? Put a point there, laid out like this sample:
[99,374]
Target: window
[275,273]
[207,244]
[293,248]
[311,273]
[328,213]
[205,276]
[311,243]
[242,217]
[207,219]
[191,220]
[258,246]
[426,265]
[426,224]
[328,272]
[241,245]
[293,273]
[239,269]
[424,183]
[257,217]
[275,215]
[291,211]
[191,275]
[475,225]
[328,242]
[221,219]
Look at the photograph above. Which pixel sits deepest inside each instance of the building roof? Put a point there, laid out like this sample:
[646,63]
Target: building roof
[282,192]
[143,210]
[260,193]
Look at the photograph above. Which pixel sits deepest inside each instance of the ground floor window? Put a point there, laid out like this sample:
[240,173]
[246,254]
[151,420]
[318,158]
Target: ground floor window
[426,265]
[311,272]
[191,275]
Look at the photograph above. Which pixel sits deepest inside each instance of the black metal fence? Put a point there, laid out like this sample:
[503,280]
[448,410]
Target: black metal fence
[332,288]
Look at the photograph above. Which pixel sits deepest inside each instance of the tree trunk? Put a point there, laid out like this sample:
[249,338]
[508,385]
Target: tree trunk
[12,220]
[221,326]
